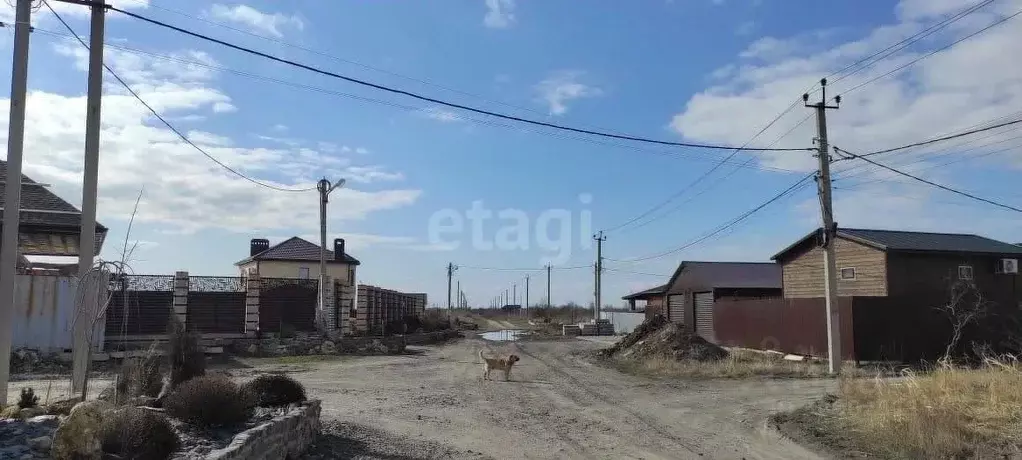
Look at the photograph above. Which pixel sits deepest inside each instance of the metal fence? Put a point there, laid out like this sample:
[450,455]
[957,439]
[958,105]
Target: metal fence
[216,304]
[139,305]
[287,303]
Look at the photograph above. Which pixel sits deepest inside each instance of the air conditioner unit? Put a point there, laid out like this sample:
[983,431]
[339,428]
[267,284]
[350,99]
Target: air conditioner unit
[1007,266]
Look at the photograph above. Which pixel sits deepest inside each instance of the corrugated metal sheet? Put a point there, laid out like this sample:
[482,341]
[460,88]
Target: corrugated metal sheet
[676,308]
[44,311]
[704,315]
[624,322]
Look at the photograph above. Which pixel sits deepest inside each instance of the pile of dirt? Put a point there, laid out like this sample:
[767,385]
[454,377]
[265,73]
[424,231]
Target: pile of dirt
[659,338]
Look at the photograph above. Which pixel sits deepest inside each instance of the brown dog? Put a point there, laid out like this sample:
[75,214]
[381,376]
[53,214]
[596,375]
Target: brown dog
[498,364]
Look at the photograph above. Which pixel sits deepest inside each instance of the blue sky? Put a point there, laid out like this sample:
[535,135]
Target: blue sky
[694,70]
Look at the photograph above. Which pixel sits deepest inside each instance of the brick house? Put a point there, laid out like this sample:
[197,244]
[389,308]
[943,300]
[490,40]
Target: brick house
[298,258]
[888,263]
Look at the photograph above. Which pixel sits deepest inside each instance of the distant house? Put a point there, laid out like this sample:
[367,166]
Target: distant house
[695,287]
[652,297]
[298,258]
[49,226]
[882,263]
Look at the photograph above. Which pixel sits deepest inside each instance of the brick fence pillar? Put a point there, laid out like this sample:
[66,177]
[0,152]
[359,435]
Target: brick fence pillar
[345,295]
[252,287]
[362,312]
[181,297]
[329,313]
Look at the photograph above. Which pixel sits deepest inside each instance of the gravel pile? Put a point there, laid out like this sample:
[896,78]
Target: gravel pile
[659,338]
[359,442]
[27,439]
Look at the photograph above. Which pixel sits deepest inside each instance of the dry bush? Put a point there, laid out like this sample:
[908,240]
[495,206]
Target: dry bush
[140,377]
[271,390]
[187,359]
[738,364]
[139,434]
[951,412]
[28,399]
[209,401]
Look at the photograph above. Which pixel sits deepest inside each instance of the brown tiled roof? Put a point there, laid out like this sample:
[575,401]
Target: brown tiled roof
[297,249]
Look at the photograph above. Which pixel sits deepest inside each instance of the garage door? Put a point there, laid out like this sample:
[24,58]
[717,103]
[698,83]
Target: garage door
[676,309]
[704,315]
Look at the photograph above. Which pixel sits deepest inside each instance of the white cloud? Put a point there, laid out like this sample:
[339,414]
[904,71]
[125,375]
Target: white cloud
[368,174]
[272,24]
[941,94]
[562,87]
[224,107]
[280,128]
[184,192]
[441,115]
[500,14]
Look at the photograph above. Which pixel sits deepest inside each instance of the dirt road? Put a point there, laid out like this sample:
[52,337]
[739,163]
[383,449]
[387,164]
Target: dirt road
[435,405]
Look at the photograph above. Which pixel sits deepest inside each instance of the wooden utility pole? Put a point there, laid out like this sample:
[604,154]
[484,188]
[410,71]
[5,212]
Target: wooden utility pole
[829,228]
[450,274]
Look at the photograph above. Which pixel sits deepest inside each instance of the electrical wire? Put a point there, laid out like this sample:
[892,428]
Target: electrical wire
[941,139]
[931,53]
[435,100]
[167,124]
[793,188]
[704,175]
[942,187]
[506,269]
[618,270]
[894,48]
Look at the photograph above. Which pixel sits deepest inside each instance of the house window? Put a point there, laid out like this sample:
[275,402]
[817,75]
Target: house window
[965,272]
[848,273]
[303,273]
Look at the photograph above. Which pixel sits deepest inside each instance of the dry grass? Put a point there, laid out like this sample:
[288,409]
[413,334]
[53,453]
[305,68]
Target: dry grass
[740,363]
[951,412]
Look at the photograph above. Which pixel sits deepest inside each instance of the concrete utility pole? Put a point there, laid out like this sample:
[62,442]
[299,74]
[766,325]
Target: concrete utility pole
[829,229]
[526,295]
[459,293]
[600,238]
[12,193]
[81,354]
[324,188]
[548,301]
[514,293]
[450,273]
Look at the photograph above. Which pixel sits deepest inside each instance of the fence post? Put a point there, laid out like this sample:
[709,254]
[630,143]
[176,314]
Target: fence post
[181,297]
[252,288]
[362,312]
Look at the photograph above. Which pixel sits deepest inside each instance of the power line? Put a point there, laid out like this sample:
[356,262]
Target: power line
[942,187]
[435,100]
[635,273]
[942,139]
[894,48]
[705,174]
[523,269]
[931,53]
[167,124]
[726,225]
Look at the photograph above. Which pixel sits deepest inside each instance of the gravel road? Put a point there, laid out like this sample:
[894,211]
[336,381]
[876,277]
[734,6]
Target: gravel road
[434,404]
[558,405]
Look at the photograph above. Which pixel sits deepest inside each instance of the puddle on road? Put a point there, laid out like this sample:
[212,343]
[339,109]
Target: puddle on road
[505,335]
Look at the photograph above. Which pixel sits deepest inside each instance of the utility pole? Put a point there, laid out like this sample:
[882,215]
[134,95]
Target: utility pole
[514,293]
[600,238]
[450,273]
[548,301]
[12,194]
[324,188]
[81,354]
[829,228]
[526,295]
[459,293]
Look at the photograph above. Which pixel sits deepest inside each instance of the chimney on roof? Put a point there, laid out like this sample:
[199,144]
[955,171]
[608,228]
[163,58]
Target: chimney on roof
[338,248]
[258,245]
